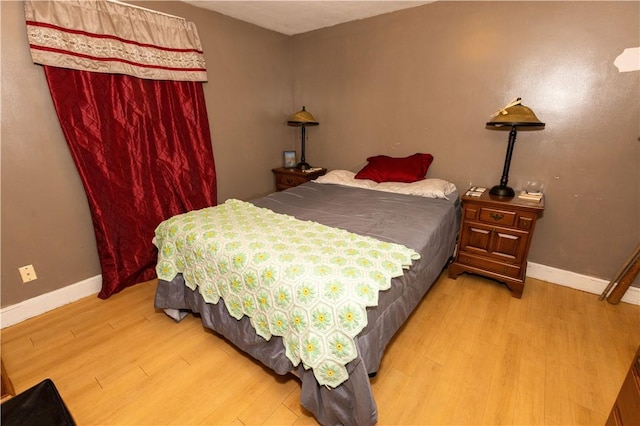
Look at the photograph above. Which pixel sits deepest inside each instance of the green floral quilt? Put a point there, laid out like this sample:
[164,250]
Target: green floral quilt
[307,282]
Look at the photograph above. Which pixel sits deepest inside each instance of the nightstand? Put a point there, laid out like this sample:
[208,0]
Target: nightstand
[495,236]
[288,178]
[626,408]
[7,385]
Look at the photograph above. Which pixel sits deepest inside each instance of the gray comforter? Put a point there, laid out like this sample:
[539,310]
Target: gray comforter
[427,225]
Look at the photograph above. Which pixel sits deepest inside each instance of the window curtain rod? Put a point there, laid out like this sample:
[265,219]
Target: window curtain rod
[145,9]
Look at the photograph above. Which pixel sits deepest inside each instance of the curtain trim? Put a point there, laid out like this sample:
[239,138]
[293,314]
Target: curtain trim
[87,37]
[51,45]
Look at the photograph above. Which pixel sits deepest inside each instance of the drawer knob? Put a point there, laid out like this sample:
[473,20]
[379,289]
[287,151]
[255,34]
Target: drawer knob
[497,216]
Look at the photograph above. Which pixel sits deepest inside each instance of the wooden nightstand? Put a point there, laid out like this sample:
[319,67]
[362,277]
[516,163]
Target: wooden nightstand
[495,236]
[626,409]
[7,385]
[288,178]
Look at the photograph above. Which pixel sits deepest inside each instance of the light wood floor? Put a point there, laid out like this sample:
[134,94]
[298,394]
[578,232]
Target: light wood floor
[470,354]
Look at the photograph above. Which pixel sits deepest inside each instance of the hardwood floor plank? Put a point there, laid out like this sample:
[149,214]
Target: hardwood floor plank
[441,405]
[501,403]
[281,416]
[418,390]
[391,388]
[530,391]
[478,373]
[264,403]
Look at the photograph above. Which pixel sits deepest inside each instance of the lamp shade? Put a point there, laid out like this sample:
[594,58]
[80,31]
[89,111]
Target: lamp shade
[302,118]
[515,114]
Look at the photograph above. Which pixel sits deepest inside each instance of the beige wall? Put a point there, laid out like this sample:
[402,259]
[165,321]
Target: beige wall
[424,79]
[45,216]
[427,79]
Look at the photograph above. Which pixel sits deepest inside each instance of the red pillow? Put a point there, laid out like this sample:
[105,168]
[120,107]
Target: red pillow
[382,168]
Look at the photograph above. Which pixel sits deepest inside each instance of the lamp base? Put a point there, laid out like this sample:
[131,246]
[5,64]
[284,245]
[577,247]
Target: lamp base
[502,191]
[303,166]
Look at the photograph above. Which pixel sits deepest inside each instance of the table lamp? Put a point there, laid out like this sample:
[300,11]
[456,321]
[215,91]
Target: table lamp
[302,119]
[512,116]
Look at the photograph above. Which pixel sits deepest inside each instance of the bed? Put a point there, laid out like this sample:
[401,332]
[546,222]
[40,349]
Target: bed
[425,225]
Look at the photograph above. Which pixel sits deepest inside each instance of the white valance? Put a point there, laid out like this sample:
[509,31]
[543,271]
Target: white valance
[108,37]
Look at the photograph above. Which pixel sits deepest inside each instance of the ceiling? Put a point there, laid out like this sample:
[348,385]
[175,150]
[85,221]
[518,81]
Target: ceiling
[300,16]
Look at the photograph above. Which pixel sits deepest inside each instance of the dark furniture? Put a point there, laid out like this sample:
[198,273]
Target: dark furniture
[495,236]
[40,405]
[7,385]
[626,409]
[288,178]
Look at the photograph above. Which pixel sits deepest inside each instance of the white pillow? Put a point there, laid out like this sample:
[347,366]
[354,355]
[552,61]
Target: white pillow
[345,177]
[429,188]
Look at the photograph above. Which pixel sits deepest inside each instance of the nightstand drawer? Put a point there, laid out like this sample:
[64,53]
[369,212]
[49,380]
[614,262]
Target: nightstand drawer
[526,220]
[497,217]
[489,265]
[290,180]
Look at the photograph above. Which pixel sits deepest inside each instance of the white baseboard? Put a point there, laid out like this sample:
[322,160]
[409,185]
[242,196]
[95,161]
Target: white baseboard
[577,281]
[19,312]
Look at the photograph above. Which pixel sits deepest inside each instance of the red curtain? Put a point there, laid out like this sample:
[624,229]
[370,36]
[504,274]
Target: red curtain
[143,151]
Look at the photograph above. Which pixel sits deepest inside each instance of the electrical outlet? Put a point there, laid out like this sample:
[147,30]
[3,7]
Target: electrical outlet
[28,273]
